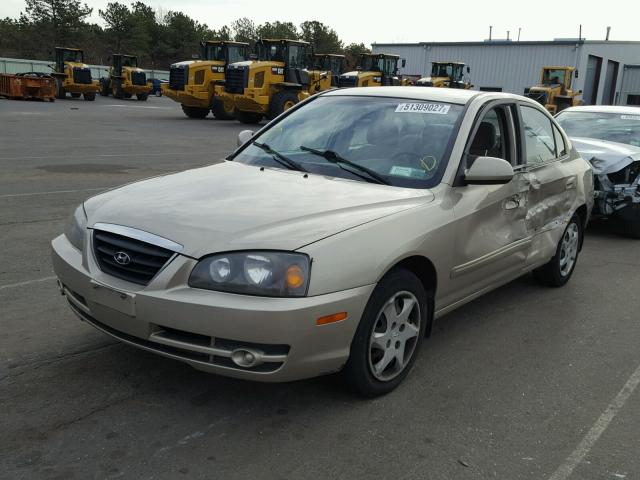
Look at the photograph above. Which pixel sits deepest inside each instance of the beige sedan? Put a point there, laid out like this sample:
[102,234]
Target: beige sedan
[333,237]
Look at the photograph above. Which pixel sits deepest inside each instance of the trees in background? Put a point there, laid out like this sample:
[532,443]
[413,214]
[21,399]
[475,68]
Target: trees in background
[157,38]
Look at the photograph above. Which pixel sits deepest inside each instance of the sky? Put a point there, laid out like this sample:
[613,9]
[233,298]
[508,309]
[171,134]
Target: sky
[413,20]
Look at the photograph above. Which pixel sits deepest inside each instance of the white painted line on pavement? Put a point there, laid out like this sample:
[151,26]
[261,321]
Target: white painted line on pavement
[107,155]
[8,195]
[135,106]
[584,447]
[28,282]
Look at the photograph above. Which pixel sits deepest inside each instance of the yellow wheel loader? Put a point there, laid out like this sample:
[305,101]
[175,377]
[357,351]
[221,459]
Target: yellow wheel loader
[328,62]
[193,83]
[72,75]
[278,80]
[446,75]
[125,79]
[554,90]
[374,70]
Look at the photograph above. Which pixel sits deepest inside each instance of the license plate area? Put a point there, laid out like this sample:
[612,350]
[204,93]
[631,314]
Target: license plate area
[118,300]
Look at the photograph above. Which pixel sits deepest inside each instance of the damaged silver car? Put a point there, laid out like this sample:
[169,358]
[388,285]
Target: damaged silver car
[609,138]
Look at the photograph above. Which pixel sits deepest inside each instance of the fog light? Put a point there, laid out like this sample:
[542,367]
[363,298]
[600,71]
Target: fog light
[245,358]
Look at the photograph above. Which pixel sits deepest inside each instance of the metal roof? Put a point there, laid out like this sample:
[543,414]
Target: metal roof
[486,43]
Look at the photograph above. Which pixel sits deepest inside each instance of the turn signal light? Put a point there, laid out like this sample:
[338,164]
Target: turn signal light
[294,276]
[336,317]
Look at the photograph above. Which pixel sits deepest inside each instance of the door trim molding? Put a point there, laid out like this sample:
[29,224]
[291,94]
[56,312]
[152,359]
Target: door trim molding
[491,257]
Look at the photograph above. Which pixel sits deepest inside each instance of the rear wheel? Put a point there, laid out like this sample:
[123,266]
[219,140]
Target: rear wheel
[195,112]
[142,97]
[75,95]
[90,96]
[60,91]
[221,110]
[389,335]
[104,87]
[248,117]
[281,102]
[559,269]
[116,90]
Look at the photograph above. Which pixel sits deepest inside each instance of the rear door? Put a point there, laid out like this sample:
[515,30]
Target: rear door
[552,179]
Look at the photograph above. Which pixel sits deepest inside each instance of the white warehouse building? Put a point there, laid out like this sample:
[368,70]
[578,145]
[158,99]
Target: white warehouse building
[608,71]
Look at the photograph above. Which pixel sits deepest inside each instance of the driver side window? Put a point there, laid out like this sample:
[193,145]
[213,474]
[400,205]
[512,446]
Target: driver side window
[491,138]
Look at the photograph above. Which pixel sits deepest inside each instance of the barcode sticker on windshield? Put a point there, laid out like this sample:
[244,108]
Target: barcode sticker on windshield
[625,117]
[423,108]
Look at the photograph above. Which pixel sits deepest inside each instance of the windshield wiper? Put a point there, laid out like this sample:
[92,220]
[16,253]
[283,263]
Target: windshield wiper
[334,158]
[281,159]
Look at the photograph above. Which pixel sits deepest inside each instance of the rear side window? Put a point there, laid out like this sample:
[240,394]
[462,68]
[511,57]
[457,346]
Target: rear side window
[539,137]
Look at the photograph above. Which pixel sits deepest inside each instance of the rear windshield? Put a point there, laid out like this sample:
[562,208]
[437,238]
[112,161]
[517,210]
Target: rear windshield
[613,127]
[404,141]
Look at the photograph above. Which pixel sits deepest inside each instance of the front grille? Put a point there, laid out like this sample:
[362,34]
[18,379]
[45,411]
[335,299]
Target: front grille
[236,79]
[145,259]
[82,75]
[138,78]
[177,77]
[345,81]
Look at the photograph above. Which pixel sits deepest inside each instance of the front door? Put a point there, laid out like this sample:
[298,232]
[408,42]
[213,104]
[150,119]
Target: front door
[492,239]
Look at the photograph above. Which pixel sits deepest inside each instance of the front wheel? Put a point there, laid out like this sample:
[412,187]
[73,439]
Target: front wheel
[389,335]
[559,269]
[195,112]
[248,117]
[281,102]
[222,110]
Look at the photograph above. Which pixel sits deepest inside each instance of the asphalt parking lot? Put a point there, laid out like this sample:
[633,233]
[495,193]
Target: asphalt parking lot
[525,383]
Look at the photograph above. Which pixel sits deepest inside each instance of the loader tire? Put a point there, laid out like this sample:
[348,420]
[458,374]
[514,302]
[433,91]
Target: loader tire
[116,90]
[250,118]
[75,95]
[195,112]
[217,107]
[60,91]
[104,88]
[128,95]
[142,97]
[90,96]
[281,102]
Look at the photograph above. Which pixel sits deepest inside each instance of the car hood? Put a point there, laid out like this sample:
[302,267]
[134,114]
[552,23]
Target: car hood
[232,206]
[606,157]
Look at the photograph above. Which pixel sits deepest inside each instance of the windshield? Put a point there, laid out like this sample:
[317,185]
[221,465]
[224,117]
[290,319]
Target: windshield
[613,127]
[553,77]
[446,70]
[405,142]
[377,64]
[213,52]
[72,56]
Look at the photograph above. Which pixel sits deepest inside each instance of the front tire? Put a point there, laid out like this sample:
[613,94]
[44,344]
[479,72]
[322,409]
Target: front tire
[195,112]
[388,338]
[250,118]
[219,110]
[281,102]
[559,269]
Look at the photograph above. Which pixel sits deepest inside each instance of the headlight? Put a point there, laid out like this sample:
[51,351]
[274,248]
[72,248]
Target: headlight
[269,274]
[76,228]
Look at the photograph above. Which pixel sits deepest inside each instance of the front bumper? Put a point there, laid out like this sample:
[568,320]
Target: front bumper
[204,328]
[190,96]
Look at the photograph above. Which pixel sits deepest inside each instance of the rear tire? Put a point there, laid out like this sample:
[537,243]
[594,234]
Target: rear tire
[195,112]
[60,91]
[142,97]
[559,269]
[104,87]
[116,90]
[217,107]
[281,102]
[75,95]
[90,96]
[387,341]
[250,118]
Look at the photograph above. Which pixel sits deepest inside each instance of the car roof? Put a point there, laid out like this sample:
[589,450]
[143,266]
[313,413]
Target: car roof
[449,95]
[604,109]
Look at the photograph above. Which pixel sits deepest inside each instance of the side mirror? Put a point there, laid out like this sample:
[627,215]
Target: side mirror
[489,171]
[468,70]
[244,136]
[404,62]
[575,73]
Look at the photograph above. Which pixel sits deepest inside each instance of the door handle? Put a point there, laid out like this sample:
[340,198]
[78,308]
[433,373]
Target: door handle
[571,184]
[512,202]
